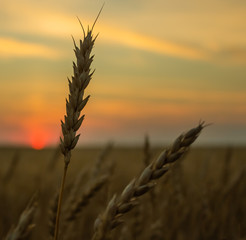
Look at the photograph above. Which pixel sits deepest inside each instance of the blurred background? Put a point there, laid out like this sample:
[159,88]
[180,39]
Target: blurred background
[161,66]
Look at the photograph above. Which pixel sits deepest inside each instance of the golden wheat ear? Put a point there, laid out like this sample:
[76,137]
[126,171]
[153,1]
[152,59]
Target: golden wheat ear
[128,199]
[75,103]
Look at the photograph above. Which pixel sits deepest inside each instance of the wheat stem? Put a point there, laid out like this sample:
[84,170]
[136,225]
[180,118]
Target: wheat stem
[60,202]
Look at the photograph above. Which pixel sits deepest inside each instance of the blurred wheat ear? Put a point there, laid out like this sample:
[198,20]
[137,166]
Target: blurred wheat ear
[25,224]
[12,167]
[75,103]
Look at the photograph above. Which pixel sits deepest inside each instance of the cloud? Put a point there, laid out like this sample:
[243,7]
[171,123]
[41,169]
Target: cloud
[60,24]
[162,94]
[13,48]
[170,105]
[225,54]
[31,19]
[149,43]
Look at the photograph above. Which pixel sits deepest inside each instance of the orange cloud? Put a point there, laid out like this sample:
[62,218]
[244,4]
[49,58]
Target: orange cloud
[148,43]
[10,48]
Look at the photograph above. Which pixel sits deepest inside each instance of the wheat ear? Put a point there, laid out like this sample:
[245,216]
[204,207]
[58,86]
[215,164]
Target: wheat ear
[147,151]
[117,207]
[25,224]
[12,167]
[74,104]
[100,161]
[83,201]
[52,214]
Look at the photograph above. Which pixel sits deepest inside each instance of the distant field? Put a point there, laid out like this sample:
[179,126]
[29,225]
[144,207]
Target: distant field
[203,180]
[34,163]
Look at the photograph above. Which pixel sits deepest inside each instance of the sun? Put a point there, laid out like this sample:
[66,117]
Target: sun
[37,144]
[38,141]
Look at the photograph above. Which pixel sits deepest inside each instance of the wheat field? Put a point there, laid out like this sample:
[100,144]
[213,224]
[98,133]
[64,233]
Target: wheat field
[168,192]
[201,197]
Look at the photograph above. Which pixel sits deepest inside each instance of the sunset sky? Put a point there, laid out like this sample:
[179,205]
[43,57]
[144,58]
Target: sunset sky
[161,67]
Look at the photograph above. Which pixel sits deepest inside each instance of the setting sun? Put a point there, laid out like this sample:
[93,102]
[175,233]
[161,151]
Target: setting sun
[38,140]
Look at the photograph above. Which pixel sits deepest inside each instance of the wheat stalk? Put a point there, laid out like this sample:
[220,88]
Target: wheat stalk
[117,207]
[75,103]
[147,151]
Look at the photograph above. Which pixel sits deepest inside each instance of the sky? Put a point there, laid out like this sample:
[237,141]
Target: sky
[161,67]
